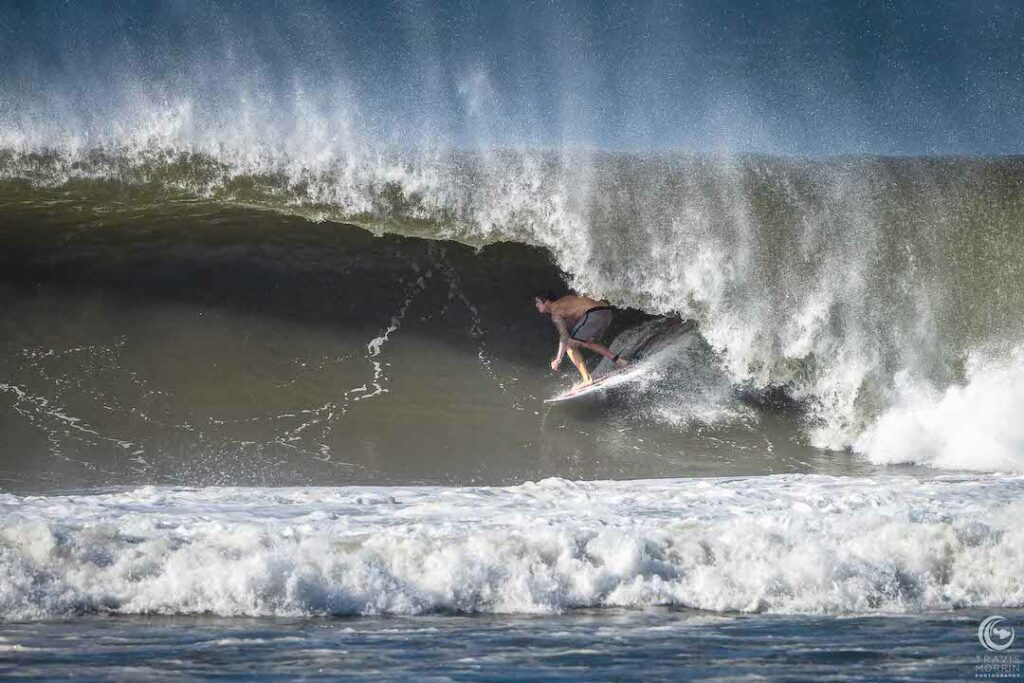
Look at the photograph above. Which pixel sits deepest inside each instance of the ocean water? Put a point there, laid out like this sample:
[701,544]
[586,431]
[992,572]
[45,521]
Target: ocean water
[272,382]
[801,577]
[231,428]
[585,645]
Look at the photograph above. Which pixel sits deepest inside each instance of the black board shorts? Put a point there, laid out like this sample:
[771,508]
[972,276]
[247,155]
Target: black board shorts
[593,323]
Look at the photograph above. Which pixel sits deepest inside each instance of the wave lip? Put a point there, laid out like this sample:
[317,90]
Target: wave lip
[788,544]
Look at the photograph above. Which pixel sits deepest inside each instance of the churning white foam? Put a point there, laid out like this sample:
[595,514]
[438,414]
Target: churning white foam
[793,544]
[974,426]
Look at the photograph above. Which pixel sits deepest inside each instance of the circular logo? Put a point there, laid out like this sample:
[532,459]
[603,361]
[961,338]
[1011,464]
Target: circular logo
[995,633]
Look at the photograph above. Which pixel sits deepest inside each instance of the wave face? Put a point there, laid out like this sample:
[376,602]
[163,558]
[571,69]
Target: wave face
[870,289]
[788,544]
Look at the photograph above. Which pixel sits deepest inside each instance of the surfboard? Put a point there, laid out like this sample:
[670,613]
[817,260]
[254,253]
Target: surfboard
[603,383]
[629,373]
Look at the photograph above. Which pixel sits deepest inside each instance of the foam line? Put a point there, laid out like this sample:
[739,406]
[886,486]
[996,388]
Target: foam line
[786,544]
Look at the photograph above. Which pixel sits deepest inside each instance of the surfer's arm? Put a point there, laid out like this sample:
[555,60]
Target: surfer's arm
[563,340]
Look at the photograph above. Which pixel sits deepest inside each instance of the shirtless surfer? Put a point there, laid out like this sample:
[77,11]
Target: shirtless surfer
[579,320]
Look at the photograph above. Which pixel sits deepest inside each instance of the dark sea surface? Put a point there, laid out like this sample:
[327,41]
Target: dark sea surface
[653,644]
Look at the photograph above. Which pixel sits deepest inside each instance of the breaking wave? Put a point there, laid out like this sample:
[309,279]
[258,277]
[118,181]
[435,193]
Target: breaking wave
[841,282]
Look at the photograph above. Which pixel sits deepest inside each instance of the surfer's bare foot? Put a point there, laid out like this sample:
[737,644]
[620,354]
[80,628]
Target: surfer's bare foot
[582,383]
[621,362]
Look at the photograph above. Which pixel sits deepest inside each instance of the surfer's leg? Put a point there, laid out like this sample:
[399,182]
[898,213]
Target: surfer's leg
[577,359]
[606,352]
[590,328]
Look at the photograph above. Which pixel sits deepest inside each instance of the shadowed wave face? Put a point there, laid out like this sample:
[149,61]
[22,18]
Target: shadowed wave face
[189,297]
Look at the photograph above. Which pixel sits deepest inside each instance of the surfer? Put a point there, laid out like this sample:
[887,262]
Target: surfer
[579,320]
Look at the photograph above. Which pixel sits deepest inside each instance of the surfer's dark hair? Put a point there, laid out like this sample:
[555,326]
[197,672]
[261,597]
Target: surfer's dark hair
[545,295]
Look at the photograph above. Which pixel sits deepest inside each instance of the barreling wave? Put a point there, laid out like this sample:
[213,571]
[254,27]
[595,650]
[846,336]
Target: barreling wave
[882,293]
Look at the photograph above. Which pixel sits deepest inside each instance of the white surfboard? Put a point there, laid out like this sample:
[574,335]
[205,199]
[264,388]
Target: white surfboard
[627,374]
[603,383]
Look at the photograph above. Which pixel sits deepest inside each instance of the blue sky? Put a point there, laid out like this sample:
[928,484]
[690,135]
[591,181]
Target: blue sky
[792,77]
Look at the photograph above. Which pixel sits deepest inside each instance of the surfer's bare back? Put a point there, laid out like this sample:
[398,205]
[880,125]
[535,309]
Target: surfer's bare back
[579,321]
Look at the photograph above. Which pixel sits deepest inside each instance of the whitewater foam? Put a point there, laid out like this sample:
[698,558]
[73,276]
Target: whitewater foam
[791,544]
[975,426]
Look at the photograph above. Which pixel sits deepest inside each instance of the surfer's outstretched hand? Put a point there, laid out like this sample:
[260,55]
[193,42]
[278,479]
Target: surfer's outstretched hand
[554,365]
